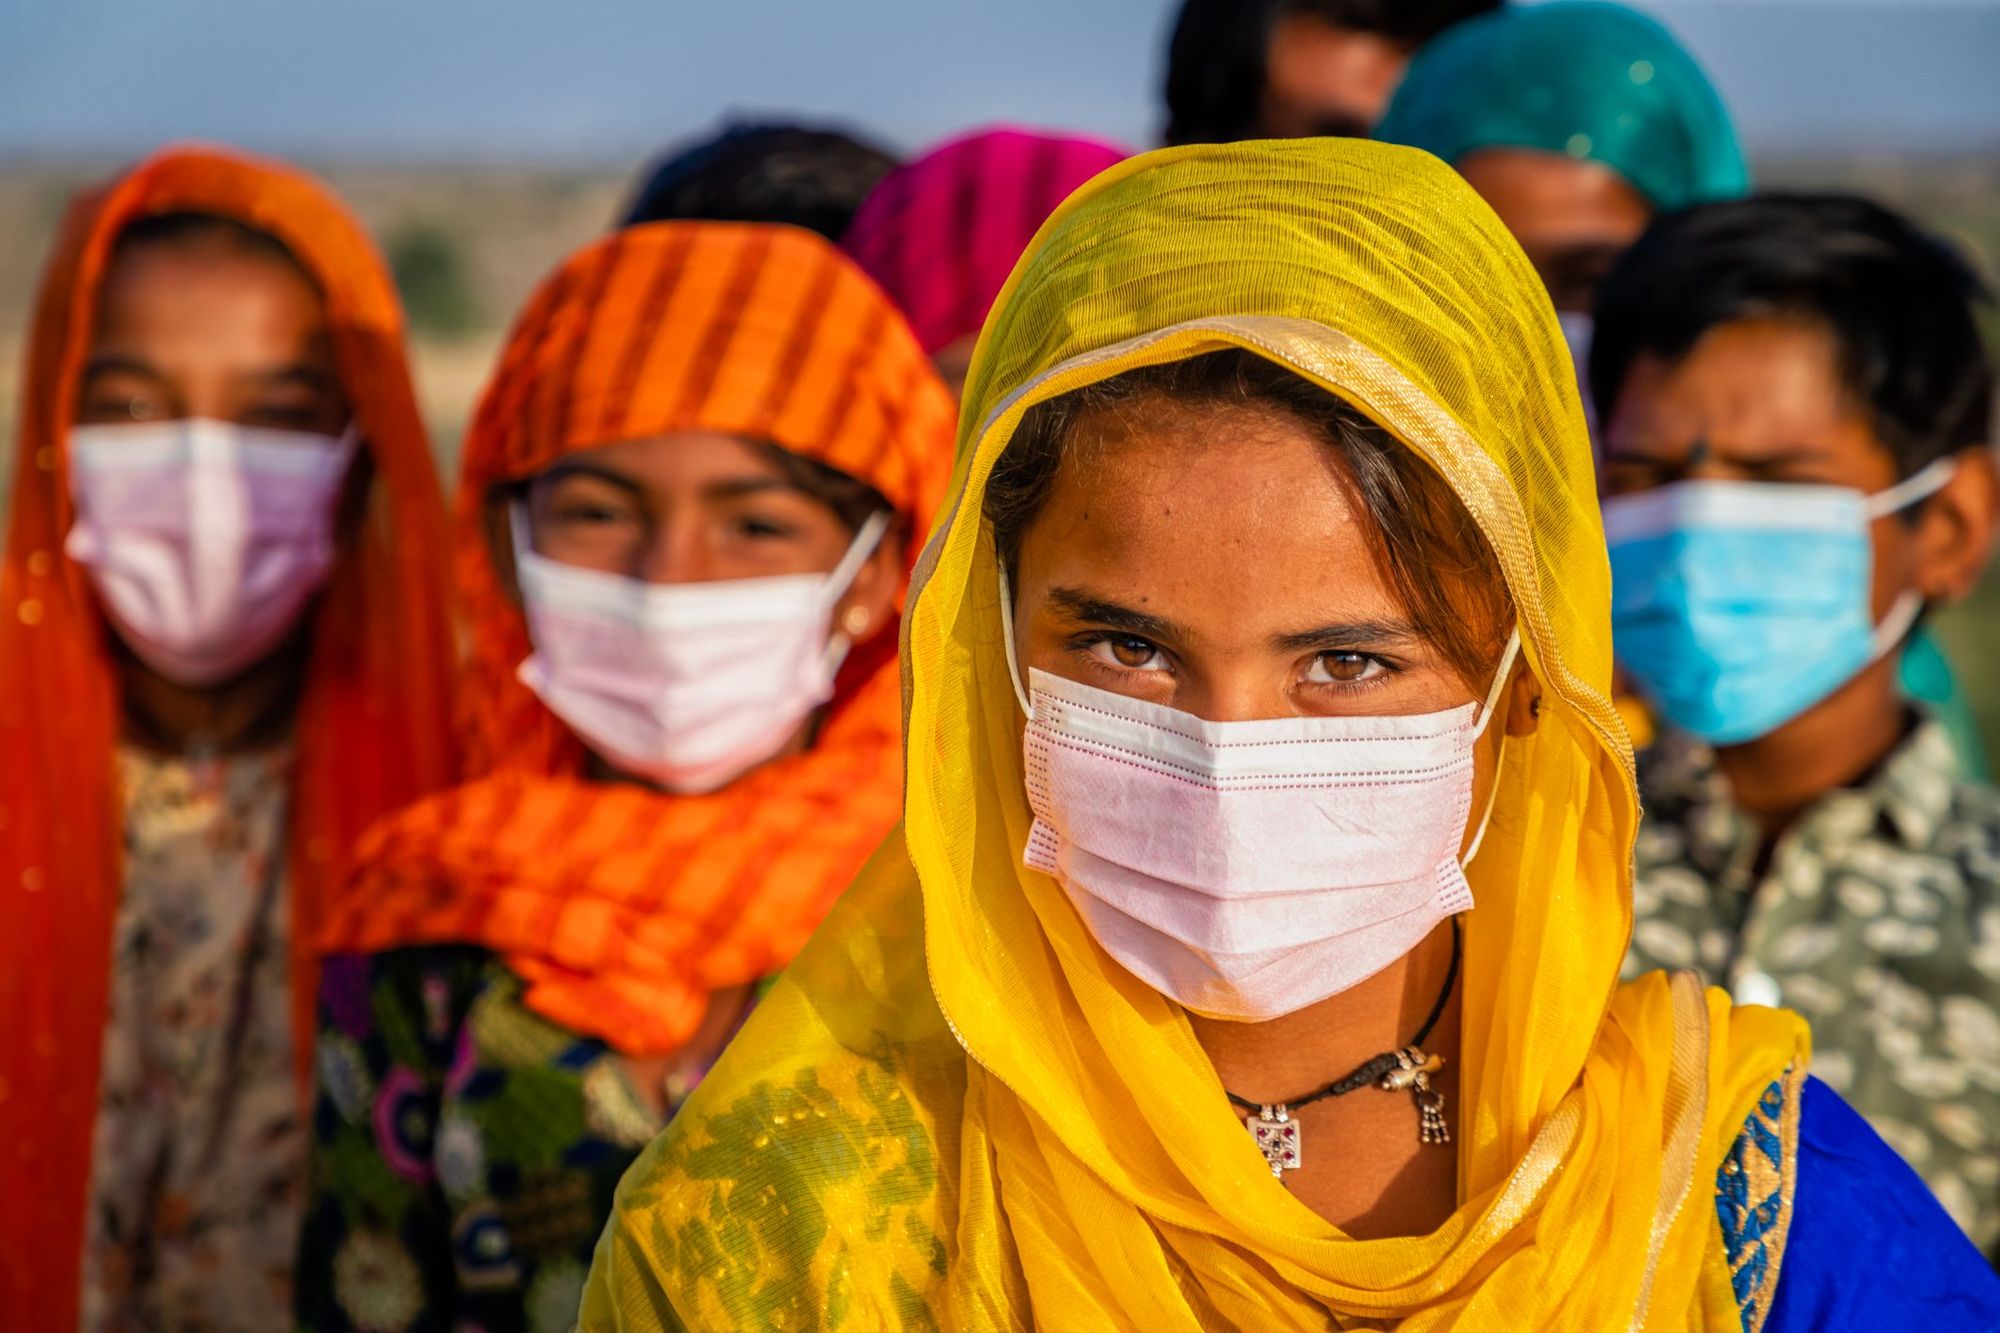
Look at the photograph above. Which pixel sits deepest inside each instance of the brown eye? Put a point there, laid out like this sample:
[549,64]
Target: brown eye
[1343,668]
[1128,653]
[1133,653]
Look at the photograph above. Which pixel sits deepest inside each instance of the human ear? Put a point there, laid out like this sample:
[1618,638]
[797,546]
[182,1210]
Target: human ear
[1523,702]
[869,601]
[1956,528]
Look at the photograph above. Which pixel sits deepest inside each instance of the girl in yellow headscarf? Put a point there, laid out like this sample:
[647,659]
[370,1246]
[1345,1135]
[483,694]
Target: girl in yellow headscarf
[1261,776]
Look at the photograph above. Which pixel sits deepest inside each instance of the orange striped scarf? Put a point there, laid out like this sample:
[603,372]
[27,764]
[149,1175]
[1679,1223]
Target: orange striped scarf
[624,909]
[372,728]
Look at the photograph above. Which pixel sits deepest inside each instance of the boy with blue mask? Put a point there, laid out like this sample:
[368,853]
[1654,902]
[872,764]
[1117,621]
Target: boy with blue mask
[1797,408]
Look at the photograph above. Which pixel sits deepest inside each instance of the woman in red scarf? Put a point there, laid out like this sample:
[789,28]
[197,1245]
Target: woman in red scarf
[223,654]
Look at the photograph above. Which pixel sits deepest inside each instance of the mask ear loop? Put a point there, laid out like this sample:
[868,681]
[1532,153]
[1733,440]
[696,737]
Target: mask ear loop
[1493,694]
[1919,485]
[1914,489]
[1007,637]
[1493,691]
[842,577]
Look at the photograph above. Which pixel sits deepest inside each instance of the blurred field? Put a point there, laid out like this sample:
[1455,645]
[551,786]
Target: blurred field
[470,242]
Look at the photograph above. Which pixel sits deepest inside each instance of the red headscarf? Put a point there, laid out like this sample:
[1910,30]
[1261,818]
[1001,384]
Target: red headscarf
[942,233]
[624,909]
[371,732]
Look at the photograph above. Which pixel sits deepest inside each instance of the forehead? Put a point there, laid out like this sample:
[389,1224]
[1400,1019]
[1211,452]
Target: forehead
[1243,511]
[203,297]
[1308,58]
[1742,384]
[1537,193]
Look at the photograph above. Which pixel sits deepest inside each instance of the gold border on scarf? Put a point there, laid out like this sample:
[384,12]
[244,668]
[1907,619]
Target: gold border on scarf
[1686,1110]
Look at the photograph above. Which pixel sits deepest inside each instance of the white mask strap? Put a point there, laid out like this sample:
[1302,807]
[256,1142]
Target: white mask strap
[1007,638]
[1492,796]
[1896,626]
[1494,691]
[866,539]
[1493,694]
[1921,485]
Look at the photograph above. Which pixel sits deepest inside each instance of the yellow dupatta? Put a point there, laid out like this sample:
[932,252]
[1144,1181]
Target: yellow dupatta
[956,1111]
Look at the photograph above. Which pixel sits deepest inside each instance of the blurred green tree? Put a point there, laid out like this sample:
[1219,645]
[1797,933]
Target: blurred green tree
[430,272]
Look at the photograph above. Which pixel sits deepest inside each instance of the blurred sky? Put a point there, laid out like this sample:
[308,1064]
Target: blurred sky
[605,80]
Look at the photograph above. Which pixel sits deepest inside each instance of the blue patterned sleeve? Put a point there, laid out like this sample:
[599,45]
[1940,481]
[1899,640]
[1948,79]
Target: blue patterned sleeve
[1869,1247]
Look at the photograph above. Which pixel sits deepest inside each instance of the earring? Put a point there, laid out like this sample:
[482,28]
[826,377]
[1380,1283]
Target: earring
[1535,706]
[855,621]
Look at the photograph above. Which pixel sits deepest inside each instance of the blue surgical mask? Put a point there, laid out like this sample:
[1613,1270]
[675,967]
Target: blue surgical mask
[1736,606]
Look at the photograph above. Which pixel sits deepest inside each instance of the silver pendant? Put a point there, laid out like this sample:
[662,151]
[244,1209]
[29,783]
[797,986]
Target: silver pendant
[1412,1073]
[1277,1137]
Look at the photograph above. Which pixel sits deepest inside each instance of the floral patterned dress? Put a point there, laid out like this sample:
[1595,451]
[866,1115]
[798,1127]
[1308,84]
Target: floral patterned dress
[465,1150]
[199,1151]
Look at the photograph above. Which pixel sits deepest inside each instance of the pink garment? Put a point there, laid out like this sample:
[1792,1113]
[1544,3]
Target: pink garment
[941,234]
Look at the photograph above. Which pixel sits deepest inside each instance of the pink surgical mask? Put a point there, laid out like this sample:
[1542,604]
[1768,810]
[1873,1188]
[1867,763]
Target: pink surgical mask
[1249,869]
[689,685]
[205,540]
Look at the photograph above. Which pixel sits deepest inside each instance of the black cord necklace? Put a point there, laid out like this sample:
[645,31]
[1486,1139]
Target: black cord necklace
[1277,1134]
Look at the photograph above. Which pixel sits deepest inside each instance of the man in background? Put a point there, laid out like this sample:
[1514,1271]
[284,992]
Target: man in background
[1797,408]
[1289,69]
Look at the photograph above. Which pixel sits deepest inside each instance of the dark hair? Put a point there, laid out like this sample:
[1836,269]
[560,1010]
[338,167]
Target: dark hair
[187,227]
[796,174]
[1216,57]
[1899,303]
[1423,537]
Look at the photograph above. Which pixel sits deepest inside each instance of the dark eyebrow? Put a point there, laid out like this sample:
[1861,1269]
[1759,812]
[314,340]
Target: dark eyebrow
[1354,634]
[1081,605]
[113,363]
[299,373]
[1701,450]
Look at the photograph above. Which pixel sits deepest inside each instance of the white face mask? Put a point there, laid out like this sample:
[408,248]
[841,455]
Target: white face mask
[1249,869]
[688,685]
[204,539]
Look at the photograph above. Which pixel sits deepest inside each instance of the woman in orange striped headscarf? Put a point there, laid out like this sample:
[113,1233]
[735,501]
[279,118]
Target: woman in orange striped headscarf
[223,654]
[689,503]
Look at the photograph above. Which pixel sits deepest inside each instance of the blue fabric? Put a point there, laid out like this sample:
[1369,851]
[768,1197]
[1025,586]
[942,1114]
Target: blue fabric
[1753,1202]
[1593,81]
[1739,605]
[1927,677]
[1869,1247]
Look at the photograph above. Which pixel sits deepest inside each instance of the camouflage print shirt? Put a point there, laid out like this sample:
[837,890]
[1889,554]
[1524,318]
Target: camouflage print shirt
[1877,918]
